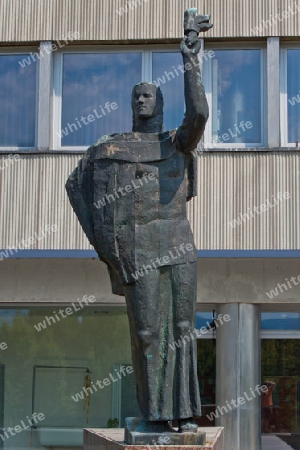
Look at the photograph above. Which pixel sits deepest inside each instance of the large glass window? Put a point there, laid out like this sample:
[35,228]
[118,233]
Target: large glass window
[168,76]
[280,371]
[64,368]
[96,95]
[17,100]
[281,374]
[72,365]
[234,84]
[280,321]
[293,96]
[93,92]
[96,91]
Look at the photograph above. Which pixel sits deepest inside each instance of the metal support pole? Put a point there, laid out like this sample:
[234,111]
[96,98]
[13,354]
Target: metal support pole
[238,401]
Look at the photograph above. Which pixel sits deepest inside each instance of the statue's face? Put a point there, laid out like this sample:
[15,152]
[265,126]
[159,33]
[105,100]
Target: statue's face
[144,101]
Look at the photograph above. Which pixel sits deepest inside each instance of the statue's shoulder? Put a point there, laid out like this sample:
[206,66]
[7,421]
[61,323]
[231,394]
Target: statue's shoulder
[135,136]
[89,155]
[133,147]
[105,138]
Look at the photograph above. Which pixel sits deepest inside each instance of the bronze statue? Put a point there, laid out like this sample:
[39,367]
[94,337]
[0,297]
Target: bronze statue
[142,234]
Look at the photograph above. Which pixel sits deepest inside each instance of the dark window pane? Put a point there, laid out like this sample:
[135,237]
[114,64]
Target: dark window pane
[93,84]
[280,374]
[167,75]
[17,101]
[206,362]
[293,93]
[236,86]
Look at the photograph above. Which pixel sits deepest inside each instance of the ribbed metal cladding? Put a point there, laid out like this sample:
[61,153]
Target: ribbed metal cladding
[104,20]
[231,184]
[33,196]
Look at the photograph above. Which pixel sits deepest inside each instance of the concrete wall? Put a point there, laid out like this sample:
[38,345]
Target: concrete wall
[220,281]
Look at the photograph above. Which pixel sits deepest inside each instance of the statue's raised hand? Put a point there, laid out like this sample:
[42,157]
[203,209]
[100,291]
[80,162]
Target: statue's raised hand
[193,25]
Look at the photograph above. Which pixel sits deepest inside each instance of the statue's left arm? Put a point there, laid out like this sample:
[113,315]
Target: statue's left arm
[192,128]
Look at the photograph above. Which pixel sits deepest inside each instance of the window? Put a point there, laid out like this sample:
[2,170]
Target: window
[234,81]
[290,97]
[18,85]
[55,362]
[168,76]
[280,321]
[280,346]
[96,95]
[93,92]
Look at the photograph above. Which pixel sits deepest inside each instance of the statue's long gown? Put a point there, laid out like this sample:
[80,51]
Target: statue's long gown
[129,233]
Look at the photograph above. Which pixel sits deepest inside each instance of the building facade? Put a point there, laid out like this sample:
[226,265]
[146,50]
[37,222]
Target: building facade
[67,69]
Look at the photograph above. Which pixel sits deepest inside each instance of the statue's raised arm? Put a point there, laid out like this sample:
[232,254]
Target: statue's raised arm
[191,130]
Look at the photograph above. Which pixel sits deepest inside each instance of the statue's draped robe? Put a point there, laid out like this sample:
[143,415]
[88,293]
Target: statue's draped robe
[130,229]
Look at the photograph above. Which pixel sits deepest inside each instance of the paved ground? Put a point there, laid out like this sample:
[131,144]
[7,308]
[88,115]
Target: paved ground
[270,442]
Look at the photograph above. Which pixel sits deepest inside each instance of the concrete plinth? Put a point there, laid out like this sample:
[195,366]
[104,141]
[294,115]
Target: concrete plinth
[113,439]
[142,432]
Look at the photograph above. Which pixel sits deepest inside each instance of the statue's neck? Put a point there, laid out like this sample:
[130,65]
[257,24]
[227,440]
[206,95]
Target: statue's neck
[150,125]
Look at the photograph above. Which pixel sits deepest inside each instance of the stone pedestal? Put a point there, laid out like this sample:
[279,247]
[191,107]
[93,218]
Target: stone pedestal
[141,432]
[113,439]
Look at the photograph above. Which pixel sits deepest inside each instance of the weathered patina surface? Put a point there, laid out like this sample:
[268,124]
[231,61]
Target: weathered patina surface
[140,230]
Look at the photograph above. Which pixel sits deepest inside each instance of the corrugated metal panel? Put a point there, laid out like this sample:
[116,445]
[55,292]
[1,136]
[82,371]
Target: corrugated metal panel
[231,185]
[105,20]
[33,196]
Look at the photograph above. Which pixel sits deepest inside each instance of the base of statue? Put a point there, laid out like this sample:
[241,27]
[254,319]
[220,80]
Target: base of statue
[142,432]
[113,439]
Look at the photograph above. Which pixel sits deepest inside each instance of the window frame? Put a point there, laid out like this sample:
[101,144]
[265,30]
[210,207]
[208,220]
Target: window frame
[284,47]
[26,50]
[146,75]
[207,78]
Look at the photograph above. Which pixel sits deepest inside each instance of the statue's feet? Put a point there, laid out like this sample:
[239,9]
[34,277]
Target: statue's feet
[187,426]
[161,426]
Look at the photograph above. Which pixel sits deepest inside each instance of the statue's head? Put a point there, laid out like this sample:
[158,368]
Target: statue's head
[147,107]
